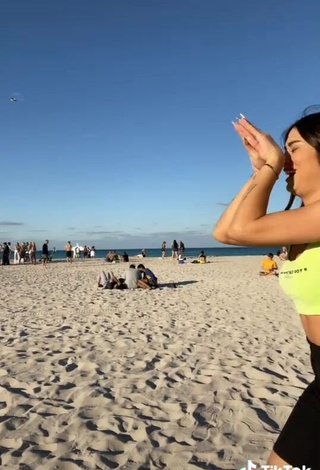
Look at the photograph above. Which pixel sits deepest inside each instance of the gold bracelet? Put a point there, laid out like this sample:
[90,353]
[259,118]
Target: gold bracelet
[270,166]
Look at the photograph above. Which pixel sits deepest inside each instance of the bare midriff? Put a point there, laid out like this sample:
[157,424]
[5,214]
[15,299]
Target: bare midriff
[311,326]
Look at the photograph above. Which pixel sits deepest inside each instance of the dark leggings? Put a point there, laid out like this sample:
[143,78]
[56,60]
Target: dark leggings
[299,441]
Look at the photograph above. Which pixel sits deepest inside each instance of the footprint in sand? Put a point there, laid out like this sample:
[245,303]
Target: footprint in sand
[14,423]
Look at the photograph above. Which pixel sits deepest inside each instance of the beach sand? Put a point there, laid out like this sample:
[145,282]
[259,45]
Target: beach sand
[202,376]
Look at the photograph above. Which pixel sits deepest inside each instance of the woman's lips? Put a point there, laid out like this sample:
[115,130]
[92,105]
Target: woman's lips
[290,175]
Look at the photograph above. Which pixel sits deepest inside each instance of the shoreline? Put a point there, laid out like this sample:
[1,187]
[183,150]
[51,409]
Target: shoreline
[134,259]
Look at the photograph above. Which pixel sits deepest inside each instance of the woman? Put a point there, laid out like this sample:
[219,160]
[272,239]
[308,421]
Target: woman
[16,254]
[245,223]
[163,249]
[174,248]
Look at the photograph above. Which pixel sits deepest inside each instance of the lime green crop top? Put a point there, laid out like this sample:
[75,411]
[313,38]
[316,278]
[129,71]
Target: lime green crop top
[300,280]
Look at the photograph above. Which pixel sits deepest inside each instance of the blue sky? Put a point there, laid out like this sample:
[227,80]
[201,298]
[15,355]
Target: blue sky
[122,136]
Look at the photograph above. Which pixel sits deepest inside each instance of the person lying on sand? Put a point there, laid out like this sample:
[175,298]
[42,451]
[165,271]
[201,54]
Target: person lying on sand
[109,281]
[132,279]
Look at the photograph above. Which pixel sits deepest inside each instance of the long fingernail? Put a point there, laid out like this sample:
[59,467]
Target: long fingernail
[242,115]
[234,123]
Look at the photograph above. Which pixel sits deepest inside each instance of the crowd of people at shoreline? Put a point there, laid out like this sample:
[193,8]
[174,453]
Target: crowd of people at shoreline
[22,252]
[26,252]
[176,249]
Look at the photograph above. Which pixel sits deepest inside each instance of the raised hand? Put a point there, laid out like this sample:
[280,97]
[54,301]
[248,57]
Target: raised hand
[260,146]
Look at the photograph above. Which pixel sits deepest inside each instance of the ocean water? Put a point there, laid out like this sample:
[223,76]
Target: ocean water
[189,252]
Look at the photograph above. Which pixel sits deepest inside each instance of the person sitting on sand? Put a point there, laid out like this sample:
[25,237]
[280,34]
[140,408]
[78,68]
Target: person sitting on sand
[132,276]
[282,256]
[116,258]
[109,257]
[180,259]
[269,266]
[202,258]
[109,281]
[125,257]
[149,280]
[283,253]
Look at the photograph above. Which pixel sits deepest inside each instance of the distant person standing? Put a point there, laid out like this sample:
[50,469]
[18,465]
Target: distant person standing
[23,250]
[163,249]
[68,249]
[45,252]
[32,253]
[92,252]
[175,249]
[77,251]
[16,256]
[144,253]
[181,248]
[10,250]
[6,254]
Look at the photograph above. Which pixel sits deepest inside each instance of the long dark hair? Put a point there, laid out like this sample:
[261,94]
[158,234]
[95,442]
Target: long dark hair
[308,127]
[290,202]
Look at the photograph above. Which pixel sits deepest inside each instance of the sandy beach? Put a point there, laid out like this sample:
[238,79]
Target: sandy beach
[202,376]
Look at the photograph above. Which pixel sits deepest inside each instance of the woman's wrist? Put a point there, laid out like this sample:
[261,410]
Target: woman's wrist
[272,168]
[276,165]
